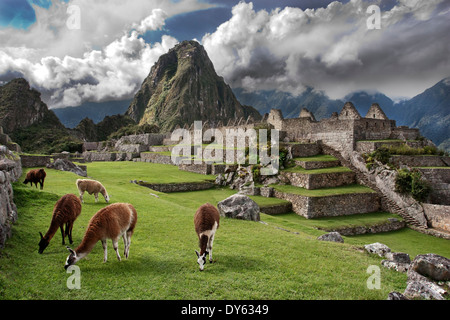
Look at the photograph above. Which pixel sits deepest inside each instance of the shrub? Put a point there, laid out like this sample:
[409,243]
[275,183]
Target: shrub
[408,182]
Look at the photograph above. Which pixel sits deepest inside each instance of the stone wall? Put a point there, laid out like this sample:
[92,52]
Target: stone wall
[329,206]
[320,180]
[176,187]
[10,171]
[420,161]
[439,180]
[438,216]
[30,161]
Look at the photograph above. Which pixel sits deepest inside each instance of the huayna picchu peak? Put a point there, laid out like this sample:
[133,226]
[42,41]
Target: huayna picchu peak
[183,87]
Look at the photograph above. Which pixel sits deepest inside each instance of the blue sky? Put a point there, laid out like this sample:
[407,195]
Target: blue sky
[285,45]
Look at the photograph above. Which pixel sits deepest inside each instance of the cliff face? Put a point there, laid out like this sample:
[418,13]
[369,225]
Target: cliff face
[21,107]
[183,87]
[29,122]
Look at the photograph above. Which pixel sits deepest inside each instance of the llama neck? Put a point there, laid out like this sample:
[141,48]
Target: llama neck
[54,226]
[87,244]
[203,242]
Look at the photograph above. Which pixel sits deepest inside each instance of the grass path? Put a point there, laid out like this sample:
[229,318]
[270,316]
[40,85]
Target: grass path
[252,260]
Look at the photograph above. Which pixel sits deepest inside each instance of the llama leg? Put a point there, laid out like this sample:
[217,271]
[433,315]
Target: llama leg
[96,197]
[105,250]
[69,231]
[128,243]
[62,234]
[116,247]
[81,196]
[210,246]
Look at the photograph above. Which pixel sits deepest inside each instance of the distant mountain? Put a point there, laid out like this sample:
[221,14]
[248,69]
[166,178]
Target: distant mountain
[430,112]
[316,102]
[96,111]
[182,87]
[29,122]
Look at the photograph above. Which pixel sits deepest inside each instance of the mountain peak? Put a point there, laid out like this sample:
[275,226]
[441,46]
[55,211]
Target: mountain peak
[183,87]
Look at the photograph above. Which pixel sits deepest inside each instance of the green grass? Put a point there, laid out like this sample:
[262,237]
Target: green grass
[320,157]
[300,169]
[348,189]
[252,260]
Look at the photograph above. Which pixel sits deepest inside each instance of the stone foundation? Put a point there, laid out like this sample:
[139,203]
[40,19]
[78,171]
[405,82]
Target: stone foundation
[320,180]
[438,216]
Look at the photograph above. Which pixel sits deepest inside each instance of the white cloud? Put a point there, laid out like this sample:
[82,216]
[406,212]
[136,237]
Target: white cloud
[332,49]
[105,59]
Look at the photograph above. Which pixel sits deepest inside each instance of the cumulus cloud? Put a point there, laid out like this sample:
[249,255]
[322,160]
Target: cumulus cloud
[332,49]
[106,58]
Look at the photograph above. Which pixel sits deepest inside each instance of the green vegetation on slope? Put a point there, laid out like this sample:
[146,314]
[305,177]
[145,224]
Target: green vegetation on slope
[252,260]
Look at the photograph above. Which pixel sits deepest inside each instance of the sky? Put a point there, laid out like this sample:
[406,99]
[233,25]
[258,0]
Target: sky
[78,51]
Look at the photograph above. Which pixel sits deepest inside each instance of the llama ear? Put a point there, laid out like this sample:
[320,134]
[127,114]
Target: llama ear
[71,251]
[198,254]
[41,235]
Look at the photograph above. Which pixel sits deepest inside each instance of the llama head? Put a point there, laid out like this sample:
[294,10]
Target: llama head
[71,259]
[105,195]
[43,243]
[201,259]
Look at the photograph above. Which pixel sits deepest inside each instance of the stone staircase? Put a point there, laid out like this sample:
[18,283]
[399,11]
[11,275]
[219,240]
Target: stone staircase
[362,179]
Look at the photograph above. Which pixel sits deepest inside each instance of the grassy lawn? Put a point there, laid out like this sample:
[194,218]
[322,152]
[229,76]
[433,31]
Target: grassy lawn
[252,260]
[319,157]
[300,169]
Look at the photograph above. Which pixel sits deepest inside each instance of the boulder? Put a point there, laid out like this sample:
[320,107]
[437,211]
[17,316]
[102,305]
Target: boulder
[67,165]
[398,261]
[396,296]
[421,290]
[239,206]
[331,236]
[433,266]
[377,248]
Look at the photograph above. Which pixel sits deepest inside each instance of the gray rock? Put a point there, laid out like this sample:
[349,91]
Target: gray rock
[433,266]
[66,165]
[396,296]
[331,236]
[377,248]
[398,257]
[422,290]
[239,206]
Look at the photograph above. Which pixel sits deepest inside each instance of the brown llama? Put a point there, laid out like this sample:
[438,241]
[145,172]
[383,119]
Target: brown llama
[206,222]
[111,222]
[35,176]
[65,212]
[92,187]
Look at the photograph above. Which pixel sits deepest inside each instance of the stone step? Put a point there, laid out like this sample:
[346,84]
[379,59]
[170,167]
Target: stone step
[319,178]
[303,149]
[314,204]
[316,164]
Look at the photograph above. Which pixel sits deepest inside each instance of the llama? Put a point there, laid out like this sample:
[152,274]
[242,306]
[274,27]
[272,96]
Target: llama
[206,221]
[66,211]
[92,187]
[110,222]
[35,176]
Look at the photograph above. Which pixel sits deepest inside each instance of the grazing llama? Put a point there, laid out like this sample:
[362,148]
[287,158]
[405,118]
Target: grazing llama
[110,222]
[92,187]
[206,221]
[35,176]
[66,211]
